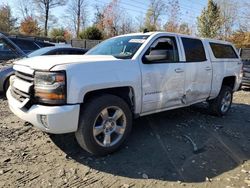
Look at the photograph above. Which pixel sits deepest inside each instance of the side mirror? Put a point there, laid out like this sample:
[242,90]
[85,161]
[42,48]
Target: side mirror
[155,58]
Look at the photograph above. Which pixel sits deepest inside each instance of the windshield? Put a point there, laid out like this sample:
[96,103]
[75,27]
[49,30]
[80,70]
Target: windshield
[121,47]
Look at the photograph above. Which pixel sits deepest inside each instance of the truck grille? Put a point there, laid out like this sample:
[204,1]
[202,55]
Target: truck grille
[23,76]
[17,93]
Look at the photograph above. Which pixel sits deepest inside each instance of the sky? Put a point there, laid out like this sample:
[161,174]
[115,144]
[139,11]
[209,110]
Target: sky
[190,9]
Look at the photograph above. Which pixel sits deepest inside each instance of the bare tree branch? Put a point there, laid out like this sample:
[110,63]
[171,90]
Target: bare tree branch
[44,6]
[77,15]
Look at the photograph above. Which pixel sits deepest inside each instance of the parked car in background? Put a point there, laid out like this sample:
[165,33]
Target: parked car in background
[29,45]
[245,56]
[7,70]
[9,50]
[58,50]
[13,47]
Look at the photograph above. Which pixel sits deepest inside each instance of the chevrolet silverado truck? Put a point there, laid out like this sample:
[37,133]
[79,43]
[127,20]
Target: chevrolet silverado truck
[97,95]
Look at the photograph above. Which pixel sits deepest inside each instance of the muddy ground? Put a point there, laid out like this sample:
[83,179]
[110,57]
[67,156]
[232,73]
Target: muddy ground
[185,147]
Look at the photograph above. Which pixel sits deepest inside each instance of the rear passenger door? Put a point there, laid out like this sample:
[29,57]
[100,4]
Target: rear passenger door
[198,74]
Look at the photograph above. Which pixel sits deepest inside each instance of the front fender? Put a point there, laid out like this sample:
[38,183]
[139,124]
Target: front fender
[84,78]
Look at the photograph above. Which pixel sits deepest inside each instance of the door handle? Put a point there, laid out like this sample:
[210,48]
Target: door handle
[208,68]
[179,70]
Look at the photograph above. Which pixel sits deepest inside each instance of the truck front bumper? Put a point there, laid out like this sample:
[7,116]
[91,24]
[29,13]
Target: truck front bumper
[51,119]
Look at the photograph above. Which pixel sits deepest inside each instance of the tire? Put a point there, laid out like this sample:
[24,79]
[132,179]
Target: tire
[98,130]
[222,104]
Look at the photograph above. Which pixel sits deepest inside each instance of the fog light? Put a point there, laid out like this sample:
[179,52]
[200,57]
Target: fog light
[44,120]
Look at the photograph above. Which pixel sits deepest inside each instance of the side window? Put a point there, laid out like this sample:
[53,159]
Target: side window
[57,52]
[165,47]
[76,52]
[223,51]
[52,52]
[194,50]
[61,52]
[72,51]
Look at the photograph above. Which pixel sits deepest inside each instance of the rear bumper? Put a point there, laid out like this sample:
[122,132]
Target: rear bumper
[51,119]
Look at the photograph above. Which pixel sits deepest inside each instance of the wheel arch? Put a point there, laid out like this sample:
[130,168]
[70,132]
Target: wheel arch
[125,92]
[4,80]
[229,81]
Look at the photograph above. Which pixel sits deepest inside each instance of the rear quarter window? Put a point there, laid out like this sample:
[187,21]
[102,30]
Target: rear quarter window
[194,50]
[223,51]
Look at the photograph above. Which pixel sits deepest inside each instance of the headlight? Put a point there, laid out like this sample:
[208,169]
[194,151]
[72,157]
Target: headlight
[50,87]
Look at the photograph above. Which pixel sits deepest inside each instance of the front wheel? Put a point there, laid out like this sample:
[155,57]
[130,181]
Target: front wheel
[105,122]
[222,104]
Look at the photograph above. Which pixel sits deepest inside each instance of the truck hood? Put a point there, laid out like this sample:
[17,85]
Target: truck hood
[48,62]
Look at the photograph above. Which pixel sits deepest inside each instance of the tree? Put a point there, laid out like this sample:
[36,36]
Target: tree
[44,7]
[59,34]
[245,15]
[152,18]
[109,18]
[241,39]
[77,14]
[29,26]
[7,22]
[92,33]
[25,8]
[99,18]
[209,22]
[229,16]
[184,29]
[112,16]
[126,26]
[173,13]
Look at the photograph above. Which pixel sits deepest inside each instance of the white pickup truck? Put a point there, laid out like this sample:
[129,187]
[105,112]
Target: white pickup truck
[97,95]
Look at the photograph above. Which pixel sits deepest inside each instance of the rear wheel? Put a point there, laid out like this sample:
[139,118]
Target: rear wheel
[105,122]
[222,104]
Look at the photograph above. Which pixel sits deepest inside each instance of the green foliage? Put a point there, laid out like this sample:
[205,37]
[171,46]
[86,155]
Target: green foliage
[7,22]
[58,34]
[92,33]
[149,24]
[152,18]
[210,22]
[185,29]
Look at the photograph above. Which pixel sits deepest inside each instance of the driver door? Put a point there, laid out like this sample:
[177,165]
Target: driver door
[163,76]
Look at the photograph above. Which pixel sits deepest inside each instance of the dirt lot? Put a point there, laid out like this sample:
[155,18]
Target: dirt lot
[185,147]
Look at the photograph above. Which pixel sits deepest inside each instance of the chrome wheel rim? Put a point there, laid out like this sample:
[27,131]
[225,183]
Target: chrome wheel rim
[109,126]
[226,102]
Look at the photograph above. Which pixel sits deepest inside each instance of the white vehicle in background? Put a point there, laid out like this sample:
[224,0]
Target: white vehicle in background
[98,95]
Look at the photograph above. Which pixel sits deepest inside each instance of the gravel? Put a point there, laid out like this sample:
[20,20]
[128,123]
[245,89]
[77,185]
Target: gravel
[184,147]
